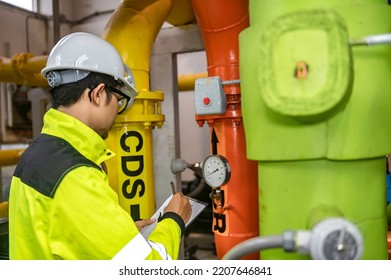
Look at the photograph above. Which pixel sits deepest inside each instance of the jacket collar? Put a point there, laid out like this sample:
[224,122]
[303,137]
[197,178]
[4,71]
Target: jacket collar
[78,134]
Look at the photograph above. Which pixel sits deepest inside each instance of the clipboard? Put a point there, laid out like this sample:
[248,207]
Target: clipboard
[196,208]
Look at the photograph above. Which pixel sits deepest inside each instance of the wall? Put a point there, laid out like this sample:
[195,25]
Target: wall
[92,14]
[13,32]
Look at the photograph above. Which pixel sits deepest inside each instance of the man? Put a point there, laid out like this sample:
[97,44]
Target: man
[61,204]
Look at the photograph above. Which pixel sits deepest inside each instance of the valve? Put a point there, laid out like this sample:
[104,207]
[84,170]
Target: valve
[180,165]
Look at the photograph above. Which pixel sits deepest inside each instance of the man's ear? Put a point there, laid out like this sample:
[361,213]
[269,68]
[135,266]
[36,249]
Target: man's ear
[96,94]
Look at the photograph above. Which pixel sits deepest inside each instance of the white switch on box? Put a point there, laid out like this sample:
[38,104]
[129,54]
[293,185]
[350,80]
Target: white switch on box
[210,98]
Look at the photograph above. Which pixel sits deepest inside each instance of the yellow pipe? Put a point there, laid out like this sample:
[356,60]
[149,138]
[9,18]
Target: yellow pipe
[181,13]
[187,81]
[10,157]
[4,209]
[144,20]
[132,29]
[23,69]
[28,72]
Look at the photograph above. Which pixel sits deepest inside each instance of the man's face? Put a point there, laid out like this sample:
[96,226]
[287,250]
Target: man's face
[107,114]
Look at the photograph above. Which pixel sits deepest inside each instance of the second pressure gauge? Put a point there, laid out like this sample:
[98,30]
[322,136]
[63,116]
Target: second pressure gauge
[216,171]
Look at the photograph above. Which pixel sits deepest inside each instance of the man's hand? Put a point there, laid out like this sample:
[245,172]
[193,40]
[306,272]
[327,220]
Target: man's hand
[142,223]
[180,204]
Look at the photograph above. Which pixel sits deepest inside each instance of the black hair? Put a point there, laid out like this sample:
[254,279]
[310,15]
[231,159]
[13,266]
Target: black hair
[68,94]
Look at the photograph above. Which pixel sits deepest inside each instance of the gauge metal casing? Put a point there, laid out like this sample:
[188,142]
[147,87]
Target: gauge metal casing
[216,171]
[336,239]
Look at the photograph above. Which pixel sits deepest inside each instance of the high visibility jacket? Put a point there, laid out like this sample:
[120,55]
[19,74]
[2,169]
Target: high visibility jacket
[62,207]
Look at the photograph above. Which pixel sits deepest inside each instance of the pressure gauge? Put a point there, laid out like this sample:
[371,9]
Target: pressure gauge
[216,171]
[336,239]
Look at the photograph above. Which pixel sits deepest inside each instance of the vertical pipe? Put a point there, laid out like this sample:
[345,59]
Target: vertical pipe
[132,29]
[56,21]
[220,23]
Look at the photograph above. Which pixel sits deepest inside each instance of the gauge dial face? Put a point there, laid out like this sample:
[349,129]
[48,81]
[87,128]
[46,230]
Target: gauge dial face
[335,239]
[340,245]
[216,171]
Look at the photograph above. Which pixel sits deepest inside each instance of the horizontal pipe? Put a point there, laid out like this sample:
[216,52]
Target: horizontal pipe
[23,69]
[372,40]
[4,209]
[27,71]
[253,245]
[10,157]
[186,81]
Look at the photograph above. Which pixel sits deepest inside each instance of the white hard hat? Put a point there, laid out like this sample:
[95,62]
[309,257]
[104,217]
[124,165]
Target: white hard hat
[78,54]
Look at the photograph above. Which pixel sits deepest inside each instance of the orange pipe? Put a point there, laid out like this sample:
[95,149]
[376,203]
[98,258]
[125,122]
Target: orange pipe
[236,220]
[389,243]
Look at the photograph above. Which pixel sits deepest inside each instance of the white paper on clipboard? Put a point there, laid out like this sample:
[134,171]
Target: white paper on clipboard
[196,208]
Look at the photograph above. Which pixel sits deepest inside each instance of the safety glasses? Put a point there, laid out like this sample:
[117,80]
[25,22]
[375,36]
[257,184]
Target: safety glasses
[123,101]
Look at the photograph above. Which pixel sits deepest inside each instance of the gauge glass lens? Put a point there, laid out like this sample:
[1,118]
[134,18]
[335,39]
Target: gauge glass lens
[216,171]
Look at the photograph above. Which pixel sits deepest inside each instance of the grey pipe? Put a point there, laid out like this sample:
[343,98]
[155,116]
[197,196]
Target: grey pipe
[56,21]
[372,40]
[179,165]
[253,245]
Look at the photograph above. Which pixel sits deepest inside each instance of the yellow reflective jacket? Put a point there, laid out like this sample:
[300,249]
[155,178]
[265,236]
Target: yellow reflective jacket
[62,207]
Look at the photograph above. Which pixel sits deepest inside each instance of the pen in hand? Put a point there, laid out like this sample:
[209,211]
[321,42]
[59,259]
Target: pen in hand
[173,187]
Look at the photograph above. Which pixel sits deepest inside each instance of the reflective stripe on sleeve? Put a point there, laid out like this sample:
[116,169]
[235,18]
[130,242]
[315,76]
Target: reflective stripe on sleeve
[161,250]
[137,249]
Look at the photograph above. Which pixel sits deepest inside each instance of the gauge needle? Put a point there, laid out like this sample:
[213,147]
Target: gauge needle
[340,245]
[212,172]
